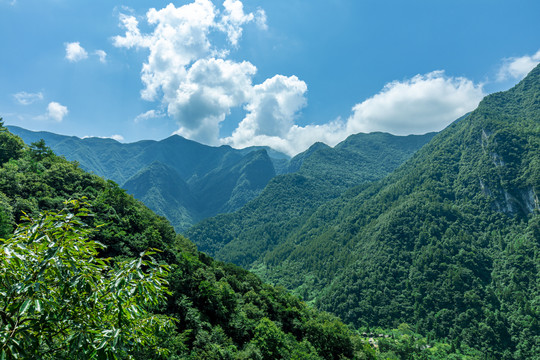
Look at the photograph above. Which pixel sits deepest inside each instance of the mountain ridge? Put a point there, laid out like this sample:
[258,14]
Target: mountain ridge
[193,162]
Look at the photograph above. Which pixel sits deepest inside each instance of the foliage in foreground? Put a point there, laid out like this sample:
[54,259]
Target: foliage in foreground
[60,300]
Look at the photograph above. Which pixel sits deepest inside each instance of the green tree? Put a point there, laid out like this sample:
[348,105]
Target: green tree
[39,150]
[270,340]
[60,300]
[11,146]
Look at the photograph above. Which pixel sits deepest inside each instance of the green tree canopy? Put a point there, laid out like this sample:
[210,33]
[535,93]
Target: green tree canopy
[59,300]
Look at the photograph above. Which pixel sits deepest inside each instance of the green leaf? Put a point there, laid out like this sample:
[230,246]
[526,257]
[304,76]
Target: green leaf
[25,306]
[38,305]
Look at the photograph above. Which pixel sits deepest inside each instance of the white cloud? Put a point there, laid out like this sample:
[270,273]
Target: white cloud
[234,17]
[75,52]
[56,111]
[133,37]
[422,104]
[116,137]
[150,114]
[25,98]
[185,71]
[102,56]
[198,85]
[272,108]
[518,67]
[260,19]
[209,90]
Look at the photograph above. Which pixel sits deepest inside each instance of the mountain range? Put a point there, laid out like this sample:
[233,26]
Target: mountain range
[436,235]
[178,178]
[186,181]
[448,242]
[220,311]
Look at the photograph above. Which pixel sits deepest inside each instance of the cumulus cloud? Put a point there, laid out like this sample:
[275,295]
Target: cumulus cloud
[199,85]
[424,103]
[102,56]
[25,98]
[56,111]
[234,18]
[210,89]
[116,137]
[518,67]
[418,105]
[75,52]
[271,110]
[193,78]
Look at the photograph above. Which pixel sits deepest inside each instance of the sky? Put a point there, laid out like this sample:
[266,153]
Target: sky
[279,73]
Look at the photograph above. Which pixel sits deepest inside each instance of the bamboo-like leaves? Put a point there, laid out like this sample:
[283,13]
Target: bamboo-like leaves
[60,300]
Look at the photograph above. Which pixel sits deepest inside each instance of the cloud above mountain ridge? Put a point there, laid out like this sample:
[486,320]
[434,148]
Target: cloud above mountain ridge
[198,85]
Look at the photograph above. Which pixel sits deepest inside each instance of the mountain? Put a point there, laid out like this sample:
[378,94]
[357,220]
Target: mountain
[197,180]
[448,243]
[187,182]
[222,311]
[315,176]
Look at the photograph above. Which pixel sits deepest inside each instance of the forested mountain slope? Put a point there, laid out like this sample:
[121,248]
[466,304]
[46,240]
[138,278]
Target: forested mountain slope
[175,177]
[448,243]
[317,175]
[223,311]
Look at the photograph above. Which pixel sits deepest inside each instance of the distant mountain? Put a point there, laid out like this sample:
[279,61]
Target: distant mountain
[317,175]
[449,243]
[186,181]
[180,179]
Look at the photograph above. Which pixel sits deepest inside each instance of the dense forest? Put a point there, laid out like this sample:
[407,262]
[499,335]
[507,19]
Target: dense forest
[220,311]
[448,243]
[315,176]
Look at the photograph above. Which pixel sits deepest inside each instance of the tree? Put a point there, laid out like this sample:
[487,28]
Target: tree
[39,150]
[60,300]
[11,146]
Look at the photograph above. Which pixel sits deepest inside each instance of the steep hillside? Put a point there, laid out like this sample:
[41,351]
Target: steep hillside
[162,189]
[216,179]
[319,174]
[448,243]
[223,311]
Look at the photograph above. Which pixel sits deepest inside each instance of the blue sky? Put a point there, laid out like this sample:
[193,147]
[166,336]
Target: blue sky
[283,73]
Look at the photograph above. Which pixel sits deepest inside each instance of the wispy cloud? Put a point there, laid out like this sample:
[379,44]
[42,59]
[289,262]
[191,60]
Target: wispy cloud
[9,2]
[116,137]
[150,114]
[25,98]
[102,56]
